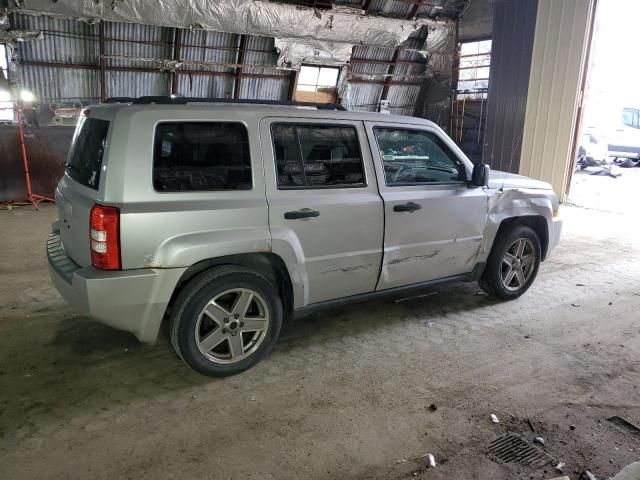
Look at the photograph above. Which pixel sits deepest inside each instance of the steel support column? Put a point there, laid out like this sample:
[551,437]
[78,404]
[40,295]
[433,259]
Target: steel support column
[239,60]
[102,62]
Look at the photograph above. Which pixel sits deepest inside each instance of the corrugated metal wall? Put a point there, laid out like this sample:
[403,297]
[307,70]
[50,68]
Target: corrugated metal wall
[557,66]
[64,66]
[514,24]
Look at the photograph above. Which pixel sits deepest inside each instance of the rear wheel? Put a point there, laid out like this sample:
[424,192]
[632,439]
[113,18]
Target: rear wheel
[513,263]
[226,320]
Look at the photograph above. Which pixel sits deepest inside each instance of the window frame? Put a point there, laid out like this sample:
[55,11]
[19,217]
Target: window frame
[470,94]
[7,113]
[462,170]
[183,192]
[316,85]
[365,183]
[635,122]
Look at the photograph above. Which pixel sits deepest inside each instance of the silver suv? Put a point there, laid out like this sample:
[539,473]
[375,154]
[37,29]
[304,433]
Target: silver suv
[227,218]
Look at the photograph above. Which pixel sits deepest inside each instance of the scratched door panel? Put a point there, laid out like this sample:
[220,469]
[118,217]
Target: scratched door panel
[441,233]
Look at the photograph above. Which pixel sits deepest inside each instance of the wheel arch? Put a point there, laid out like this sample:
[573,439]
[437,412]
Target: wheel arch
[537,223]
[269,265]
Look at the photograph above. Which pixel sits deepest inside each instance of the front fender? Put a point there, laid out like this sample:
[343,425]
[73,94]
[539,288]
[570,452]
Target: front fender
[513,203]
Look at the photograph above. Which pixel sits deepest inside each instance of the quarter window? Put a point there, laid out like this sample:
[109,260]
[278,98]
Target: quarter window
[416,157]
[317,156]
[201,156]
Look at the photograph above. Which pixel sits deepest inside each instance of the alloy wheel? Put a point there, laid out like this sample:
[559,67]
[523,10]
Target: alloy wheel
[518,264]
[232,326]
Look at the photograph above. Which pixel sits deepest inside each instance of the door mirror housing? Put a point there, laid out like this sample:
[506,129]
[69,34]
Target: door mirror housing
[480,175]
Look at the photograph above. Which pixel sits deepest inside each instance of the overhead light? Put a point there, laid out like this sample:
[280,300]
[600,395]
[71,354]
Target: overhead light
[26,96]
[5,96]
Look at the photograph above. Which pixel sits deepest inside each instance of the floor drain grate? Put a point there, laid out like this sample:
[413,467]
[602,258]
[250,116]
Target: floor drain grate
[513,449]
[625,426]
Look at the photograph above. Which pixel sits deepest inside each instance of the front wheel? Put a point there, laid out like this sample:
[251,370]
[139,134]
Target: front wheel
[513,263]
[225,321]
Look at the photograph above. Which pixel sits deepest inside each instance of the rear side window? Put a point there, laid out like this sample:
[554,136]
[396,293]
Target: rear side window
[317,156]
[84,161]
[201,156]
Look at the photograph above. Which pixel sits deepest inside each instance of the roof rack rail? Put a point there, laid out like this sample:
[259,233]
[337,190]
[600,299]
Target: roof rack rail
[166,100]
[119,100]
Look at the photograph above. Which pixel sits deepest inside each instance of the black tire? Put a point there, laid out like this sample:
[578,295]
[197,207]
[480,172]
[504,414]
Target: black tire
[492,281]
[197,294]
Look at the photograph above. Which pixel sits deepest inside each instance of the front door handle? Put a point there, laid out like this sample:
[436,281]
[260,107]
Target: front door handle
[407,207]
[303,213]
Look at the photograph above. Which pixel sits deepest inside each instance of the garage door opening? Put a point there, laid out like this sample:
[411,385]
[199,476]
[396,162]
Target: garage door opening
[606,172]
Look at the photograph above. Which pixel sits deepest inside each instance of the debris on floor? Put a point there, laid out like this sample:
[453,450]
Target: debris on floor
[627,162]
[587,475]
[530,424]
[604,171]
[432,460]
[404,460]
[560,467]
[539,440]
[433,407]
[494,418]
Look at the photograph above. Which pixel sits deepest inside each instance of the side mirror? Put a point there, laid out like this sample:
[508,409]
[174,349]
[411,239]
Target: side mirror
[480,175]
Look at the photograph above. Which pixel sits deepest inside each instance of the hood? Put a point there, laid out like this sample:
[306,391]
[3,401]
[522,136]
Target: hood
[498,179]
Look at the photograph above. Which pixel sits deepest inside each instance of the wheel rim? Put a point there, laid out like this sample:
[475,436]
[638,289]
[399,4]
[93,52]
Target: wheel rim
[232,326]
[518,264]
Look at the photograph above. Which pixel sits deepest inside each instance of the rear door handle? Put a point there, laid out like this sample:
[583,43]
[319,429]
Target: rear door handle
[303,213]
[407,207]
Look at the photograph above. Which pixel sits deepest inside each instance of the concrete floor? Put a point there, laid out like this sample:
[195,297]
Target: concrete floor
[345,394]
[607,194]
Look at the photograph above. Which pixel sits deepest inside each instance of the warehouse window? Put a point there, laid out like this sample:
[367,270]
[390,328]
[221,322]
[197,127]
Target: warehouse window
[317,84]
[473,73]
[6,106]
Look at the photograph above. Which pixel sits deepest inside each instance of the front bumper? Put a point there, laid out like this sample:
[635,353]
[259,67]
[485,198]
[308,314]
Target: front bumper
[556,232]
[130,300]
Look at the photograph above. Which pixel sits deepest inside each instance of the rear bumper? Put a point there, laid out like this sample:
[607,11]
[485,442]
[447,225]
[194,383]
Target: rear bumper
[130,300]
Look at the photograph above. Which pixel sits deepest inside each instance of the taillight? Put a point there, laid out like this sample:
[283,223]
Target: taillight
[104,235]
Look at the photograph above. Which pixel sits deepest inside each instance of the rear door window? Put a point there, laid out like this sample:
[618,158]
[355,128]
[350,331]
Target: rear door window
[201,156]
[84,161]
[317,156]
